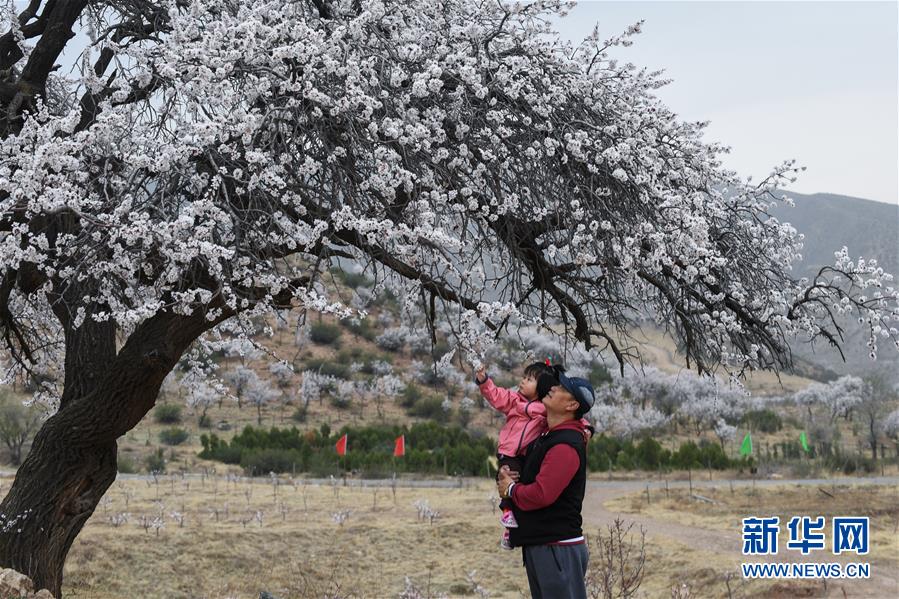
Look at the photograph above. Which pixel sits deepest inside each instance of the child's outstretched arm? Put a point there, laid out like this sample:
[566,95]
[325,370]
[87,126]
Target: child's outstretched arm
[502,399]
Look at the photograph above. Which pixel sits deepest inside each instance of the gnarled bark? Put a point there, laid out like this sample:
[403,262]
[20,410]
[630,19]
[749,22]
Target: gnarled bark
[56,490]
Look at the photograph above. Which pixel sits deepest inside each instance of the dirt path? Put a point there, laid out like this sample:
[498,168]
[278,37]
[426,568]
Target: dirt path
[884,581]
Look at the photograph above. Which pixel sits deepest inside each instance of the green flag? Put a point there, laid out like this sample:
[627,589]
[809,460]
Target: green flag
[746,447]
[804,441]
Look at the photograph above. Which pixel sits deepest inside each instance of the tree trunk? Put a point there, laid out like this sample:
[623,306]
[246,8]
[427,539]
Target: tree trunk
[54,493]
[14,445]
[15,454]
[873,436]
[72,461]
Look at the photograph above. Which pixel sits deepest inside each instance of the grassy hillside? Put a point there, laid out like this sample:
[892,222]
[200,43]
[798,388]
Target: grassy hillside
[659,350]
[228,419]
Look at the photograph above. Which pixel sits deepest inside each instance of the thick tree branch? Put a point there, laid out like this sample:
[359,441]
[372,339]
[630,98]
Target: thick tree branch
[57,32]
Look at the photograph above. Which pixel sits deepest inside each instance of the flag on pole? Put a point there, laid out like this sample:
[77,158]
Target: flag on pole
[804,441]
[341,445]
[399,446]
[746,447]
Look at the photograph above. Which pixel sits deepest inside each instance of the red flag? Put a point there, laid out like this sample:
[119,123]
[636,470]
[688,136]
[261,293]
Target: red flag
[341,445]
[399,446]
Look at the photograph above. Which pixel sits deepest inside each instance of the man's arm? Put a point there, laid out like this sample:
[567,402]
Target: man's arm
[558,468]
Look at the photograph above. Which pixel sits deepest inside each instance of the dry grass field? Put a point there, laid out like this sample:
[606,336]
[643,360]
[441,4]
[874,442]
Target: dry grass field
[240,537]
[709,531]
[879,503]
[229,537]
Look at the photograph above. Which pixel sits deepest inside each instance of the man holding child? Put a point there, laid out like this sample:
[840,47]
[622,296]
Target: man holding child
[548,493]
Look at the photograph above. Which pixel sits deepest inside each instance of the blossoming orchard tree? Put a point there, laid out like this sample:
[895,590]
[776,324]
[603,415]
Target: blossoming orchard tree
[212,155]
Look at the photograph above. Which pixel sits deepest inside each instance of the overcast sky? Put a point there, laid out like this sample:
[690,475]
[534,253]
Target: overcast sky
[814,81]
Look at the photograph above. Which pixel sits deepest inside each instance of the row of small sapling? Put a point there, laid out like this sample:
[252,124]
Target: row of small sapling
[180,485]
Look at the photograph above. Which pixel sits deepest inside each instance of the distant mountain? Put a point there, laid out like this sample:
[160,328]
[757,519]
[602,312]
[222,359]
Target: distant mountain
[869,230]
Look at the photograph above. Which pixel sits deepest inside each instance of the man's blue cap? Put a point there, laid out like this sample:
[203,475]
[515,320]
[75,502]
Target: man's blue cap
[581,389]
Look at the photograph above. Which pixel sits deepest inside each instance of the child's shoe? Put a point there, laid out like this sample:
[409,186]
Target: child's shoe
[508,519]
[504,542]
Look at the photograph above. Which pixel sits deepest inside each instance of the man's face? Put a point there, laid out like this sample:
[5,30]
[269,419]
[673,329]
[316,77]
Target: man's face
[528,386]
[559,400]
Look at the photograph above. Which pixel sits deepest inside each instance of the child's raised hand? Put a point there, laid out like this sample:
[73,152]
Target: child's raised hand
[481,374]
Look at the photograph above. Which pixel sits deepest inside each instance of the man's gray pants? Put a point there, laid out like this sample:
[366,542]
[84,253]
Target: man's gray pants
[556,571]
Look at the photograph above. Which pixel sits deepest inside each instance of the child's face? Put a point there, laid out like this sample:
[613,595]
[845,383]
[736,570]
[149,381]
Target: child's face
[528,386]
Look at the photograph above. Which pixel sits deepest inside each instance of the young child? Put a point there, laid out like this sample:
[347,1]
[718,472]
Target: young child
[525,421]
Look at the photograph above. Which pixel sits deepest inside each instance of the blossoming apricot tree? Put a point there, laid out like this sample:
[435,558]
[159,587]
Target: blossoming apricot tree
[212,156]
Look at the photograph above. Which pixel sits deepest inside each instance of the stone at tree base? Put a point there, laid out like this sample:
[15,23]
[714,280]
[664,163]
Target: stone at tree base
[15,585]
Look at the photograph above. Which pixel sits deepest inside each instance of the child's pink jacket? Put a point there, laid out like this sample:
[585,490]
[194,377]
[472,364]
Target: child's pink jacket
[525,419]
